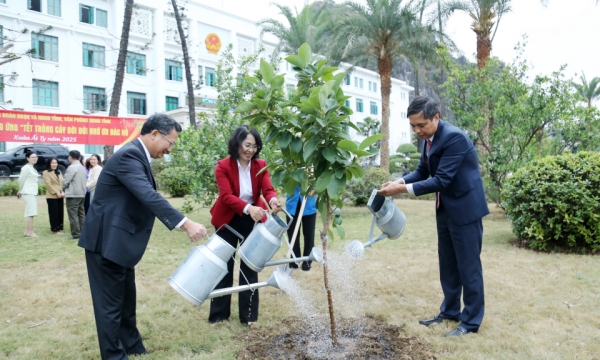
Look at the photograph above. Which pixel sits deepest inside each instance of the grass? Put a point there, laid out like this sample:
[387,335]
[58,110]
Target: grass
[538,306]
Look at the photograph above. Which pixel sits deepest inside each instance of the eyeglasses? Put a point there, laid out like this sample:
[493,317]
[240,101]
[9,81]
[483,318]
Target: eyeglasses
[250,146]
[171,143]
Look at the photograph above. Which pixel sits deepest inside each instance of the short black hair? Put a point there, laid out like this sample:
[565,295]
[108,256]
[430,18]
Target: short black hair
[161,122]
[29,153]
[423,104]
[75,154]
[238,136]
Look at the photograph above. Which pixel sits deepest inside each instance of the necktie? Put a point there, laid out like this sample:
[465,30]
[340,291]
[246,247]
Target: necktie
[437,205]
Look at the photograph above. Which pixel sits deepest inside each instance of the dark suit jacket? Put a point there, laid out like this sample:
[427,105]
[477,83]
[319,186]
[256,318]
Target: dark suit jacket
[228,180]
[452,170]
[120,219]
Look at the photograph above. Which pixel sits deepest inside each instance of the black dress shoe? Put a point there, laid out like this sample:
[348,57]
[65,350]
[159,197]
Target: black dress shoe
[293,265]
[435,320]
[459,331]
[306,266]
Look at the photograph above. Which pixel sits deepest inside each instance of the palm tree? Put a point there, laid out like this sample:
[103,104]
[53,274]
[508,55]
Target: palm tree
[383,30]
[179,14]
[307,26]
[589,91]
[120,73]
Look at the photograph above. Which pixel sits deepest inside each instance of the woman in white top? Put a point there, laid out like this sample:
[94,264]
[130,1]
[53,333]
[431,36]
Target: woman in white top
[28,189]
[95,171]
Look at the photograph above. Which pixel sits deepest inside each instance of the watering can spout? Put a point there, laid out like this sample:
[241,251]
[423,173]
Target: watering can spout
[276,280]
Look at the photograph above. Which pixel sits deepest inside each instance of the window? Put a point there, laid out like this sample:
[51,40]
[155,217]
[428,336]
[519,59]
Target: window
[45,46]
[101,18]
[86,14]
[201,76]
[136,63]
[373,108]
[347,79]
[45,93]
[1,89]
[355,81]
[172,103]
[54,7]
[136,103]
[369,86]
[35,5]
[94,98]
[93,56]
[290,89]
[347,103]
[94,149]
[2,146]
[374,87]
[172,70]
[359,105]
[211,77]
[361,83]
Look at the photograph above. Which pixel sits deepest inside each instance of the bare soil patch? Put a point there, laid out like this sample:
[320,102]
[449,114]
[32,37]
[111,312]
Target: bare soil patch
[365,338]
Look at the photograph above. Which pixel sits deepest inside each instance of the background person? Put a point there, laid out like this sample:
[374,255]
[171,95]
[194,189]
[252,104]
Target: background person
[239,205]
[54,196]
[449,168]
[88,166]
[74,187]
[28,189]
[94,172]
[117,231]
[307,225]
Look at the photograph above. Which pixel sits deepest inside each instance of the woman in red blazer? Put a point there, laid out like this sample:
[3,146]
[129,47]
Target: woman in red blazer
[239,205]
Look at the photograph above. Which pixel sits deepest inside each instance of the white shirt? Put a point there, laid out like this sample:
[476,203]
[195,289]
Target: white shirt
[245,185]
[150,162]
[409,187]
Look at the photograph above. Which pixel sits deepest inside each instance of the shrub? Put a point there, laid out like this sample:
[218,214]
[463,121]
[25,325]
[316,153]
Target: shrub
[9,188]
[406,148]
[42,189]
[359,191]
[554,202]
[177,181]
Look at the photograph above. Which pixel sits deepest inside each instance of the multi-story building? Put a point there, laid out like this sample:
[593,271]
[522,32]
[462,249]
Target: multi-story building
[73,68]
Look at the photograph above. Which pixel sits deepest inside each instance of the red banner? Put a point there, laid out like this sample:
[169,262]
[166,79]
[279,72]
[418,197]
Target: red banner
[24,126]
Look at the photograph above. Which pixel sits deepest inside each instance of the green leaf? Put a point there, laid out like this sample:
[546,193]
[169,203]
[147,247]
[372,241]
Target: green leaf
[245,106]
[261,104]
[330,234]
[327,77]
[341,231]
[329,154]
[334,187]
[266,70]
[296,61]
[347,145]
[277,82]
[299,175]
[296,145]
[304,53]
[339,172]
[290,186]
[284,139]
[361,153]
[310,146]
[353,125]
[324,180]
[370,141]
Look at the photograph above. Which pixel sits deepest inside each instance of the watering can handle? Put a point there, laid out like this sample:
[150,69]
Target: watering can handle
[288,214]
[233,231]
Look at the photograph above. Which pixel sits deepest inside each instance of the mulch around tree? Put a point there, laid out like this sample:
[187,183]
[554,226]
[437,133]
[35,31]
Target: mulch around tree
[365,338]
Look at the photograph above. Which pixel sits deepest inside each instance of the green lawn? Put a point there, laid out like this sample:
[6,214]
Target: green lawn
[538,306]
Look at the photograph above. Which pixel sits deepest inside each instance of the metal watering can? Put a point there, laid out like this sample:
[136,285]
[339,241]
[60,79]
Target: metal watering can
[388,218]
[276,280]
[203,269]
[263,242]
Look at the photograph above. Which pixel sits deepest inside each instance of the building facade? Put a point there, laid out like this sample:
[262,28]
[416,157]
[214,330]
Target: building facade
[72,70]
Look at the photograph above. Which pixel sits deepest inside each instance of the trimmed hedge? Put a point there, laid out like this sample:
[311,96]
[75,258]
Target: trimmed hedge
[11,188]
[554,203]
[360,191]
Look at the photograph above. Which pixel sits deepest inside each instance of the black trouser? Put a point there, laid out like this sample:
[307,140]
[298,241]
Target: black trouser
[86,202]
[220,307]
[114,297]
[56,213]
[308,231]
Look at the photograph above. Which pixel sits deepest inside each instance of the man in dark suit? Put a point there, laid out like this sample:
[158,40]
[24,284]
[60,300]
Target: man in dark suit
[450,169]
[117,229]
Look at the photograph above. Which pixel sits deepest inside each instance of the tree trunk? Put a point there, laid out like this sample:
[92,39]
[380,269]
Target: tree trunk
[484,48]
[188,70]
[120,74]
[326,273]
[416,67]
[385,73]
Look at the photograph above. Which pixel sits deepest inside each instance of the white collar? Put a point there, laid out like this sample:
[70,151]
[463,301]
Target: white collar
[241,168]
[147,152]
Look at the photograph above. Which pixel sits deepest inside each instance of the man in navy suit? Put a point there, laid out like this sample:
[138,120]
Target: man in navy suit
[117,229]
[450,169]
